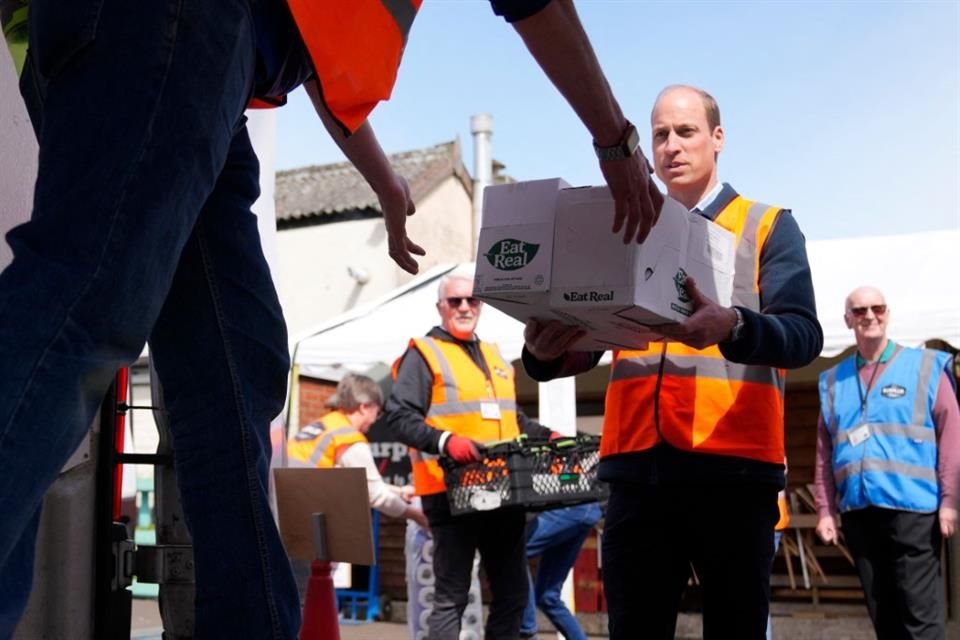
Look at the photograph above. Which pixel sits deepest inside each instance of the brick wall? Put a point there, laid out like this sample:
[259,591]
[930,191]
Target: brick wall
[313,395]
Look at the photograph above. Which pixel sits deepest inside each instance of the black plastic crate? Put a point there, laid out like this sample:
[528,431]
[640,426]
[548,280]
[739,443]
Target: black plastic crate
[525,473]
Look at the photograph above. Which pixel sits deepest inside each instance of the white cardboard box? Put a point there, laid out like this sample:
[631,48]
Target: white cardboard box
[547,251]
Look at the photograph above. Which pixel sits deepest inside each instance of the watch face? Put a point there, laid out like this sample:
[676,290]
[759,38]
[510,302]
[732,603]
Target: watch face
[632,141]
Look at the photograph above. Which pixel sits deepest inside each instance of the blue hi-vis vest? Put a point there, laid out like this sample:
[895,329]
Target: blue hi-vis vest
[896,466]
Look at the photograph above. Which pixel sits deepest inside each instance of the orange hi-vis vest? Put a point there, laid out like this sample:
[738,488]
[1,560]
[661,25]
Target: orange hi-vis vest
[464,402]
[784,520]
[694,399]
[355,47]
[319,444]
[782,505]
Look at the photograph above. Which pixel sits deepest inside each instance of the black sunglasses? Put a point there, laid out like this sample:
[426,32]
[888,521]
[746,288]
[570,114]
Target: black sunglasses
[878,310]
[456,301]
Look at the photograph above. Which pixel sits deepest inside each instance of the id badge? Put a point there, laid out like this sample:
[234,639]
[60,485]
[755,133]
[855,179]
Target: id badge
[490,410]
[858,435]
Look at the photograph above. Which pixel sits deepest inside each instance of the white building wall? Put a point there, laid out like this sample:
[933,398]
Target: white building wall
[312,262]
[18,155]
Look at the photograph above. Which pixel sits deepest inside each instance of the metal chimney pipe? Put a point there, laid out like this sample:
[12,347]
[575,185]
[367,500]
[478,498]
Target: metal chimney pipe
[481,126]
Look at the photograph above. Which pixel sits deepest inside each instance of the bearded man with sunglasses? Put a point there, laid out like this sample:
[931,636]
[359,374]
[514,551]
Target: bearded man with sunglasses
[888,447]
[452,392]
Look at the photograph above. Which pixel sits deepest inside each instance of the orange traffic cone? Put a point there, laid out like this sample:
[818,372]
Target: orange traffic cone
[320,607]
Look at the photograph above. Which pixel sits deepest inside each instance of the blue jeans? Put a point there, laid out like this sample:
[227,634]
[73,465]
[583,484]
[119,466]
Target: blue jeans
[556,536]
[142,230]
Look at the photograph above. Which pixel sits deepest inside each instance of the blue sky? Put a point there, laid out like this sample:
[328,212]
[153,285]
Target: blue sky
[846,112]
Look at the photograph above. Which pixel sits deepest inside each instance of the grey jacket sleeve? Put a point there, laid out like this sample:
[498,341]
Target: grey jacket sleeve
[409,402]
[786,332]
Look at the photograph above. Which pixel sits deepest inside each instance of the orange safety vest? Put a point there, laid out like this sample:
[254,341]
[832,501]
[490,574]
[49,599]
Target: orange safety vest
[319,444]
[784,520]
[463,401]
[355,47]
[694,399]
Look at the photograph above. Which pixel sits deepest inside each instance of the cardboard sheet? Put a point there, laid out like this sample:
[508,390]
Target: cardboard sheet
[341,495]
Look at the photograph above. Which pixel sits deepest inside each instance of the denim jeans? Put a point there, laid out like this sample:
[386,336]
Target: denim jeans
[556,536]
[142,230]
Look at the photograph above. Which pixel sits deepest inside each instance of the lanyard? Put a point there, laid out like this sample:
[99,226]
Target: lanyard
[865,396]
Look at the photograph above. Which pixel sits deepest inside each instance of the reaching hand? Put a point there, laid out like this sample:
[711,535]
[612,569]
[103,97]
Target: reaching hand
[827,530]
[463,450]
[396,204]
[948,521]
[548,340]
[638,201]
[417,515]
[709,324]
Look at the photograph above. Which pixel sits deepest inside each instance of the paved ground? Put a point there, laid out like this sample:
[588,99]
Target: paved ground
[790,623]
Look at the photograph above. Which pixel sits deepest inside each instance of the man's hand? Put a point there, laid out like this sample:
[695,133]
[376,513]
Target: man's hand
[709,324]
[548,340]
[556,39]
[638,201]
[827,530]
[396,204]
[462,450]
[948,521]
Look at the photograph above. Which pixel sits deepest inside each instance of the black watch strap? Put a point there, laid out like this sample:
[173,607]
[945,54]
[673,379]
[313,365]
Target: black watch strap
[627,145]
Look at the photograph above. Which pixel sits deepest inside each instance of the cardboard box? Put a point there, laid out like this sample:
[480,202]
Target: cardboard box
[546,251]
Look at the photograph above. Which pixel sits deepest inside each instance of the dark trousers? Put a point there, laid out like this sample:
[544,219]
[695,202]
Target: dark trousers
[499,536]
[897,554]
[652,535]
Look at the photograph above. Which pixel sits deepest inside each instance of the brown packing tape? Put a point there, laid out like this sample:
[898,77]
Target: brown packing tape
[341,495]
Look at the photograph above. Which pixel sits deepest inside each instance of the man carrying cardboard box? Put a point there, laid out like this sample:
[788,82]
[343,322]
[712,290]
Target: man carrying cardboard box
[692,440]
[451,392]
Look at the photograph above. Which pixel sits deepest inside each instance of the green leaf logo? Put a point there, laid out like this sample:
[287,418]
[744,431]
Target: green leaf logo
[510,254]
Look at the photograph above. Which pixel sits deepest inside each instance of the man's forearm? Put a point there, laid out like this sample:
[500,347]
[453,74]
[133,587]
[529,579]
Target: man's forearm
[361,148]
[556,39]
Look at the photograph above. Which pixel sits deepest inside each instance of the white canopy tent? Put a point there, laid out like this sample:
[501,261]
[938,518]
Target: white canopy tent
[917,273]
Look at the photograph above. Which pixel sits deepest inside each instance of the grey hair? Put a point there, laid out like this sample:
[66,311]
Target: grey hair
[461,272]
[355,390]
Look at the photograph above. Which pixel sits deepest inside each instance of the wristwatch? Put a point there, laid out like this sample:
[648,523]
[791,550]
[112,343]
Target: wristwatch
[626,147]
[737,330]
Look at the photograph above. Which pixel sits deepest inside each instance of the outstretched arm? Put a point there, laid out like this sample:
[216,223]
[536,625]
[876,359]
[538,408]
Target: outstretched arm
[556,39]
[363,150]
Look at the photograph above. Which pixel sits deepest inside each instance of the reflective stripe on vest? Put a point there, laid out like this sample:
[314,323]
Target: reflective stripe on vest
[355,48]
[318,445]
[458,395]
[702,401]
[895,467]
